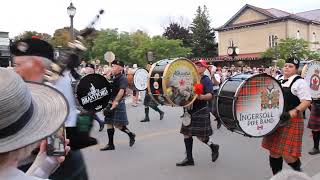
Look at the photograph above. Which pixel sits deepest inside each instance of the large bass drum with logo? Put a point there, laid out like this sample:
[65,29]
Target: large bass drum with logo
[171,82]
[93,92]
[250,104]
[311,74]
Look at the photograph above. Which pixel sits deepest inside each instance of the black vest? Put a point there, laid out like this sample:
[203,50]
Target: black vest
[291,100]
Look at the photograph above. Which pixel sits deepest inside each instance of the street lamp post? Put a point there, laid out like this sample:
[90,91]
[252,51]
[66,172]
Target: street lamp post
[71,12]
[275,41]
[149,57]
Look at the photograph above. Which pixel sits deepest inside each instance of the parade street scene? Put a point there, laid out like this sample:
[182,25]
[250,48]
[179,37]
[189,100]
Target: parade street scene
[168,90]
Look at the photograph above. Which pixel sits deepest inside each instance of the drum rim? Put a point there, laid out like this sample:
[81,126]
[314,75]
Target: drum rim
[165,87]
[234,112]
[134,76]
[305,67]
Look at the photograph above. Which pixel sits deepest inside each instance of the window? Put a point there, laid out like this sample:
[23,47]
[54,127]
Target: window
[314,37]
[273,41]
[298,34]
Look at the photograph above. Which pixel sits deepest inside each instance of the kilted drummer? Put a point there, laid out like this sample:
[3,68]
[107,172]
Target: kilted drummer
[286,142]
[117,115]
[200,125]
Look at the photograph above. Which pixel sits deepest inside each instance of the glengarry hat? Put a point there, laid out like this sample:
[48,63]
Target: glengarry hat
[29,111]
[32,47]
[294,61]
[119,63]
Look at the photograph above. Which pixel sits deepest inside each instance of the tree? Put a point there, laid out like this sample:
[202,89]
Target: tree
[175,31]
[61,37]
[29,34]
[298,48]
[203,36]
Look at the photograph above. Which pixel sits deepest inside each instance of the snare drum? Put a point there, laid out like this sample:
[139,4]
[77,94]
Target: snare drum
[171,82]
[311,74]
[250,104]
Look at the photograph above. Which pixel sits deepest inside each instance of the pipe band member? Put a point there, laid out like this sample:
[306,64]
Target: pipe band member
[116,116]
[286,142]
[200,125]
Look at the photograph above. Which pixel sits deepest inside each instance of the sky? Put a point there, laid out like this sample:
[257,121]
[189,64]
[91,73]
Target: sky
[151,16]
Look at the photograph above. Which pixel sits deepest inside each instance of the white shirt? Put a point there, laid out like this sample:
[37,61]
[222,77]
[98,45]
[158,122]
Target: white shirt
[299,88]
[64,86]
[218,78]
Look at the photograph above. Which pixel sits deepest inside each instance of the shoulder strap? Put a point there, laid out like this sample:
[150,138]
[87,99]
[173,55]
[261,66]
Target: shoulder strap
[294,80]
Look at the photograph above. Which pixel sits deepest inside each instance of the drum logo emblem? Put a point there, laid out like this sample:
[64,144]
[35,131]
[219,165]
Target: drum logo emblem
[270,98]
[94,95]
[315,80]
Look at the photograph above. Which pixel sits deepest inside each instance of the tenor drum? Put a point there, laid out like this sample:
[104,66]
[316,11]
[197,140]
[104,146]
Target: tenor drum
[310,73]
[93,92]
[250,104]
[140,79]
[171,82]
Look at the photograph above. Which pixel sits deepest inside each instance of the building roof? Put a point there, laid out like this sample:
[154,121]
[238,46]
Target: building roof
[272,14]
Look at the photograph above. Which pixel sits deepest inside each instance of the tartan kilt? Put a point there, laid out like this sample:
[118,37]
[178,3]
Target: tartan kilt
[314,120]
[148,101]
[119,117]
[286,140]
[200,124]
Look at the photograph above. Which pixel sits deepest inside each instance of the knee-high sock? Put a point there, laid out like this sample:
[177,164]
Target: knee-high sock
[146,112]
[275,164]
[188,142]
[316,139]
[207,141]
[126,130]
[156,109]
[296,165]
[110,135]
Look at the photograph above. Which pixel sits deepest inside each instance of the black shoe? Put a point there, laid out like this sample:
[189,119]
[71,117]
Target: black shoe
[218,124]
[132,139]
[101,124]
[215,152]
[161,115]
[182,116]
[107,148]
[145,120]
[314,151]
[186,162]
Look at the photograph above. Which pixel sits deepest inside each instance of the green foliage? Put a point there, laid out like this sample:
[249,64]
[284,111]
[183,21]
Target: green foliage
[280,63]
[132,48]
[203,36]
[175,31]
[61,37]
[29,34]
[298,48]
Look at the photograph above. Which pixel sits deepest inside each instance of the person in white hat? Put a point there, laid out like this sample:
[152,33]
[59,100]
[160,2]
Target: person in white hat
[29,112]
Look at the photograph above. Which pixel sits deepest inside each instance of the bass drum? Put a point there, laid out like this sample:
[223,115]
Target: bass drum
[250,104]
[93,92]
[171,82]
[310,73]
[140,79]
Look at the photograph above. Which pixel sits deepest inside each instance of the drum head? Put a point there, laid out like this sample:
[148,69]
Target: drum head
[310,73]
[259,104]
[140,79]
[179,78]
[93,92]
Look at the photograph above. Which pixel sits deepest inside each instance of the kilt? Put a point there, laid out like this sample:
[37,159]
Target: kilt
[200,124]
[148,101]
[286,140]
[314,120]
[119,117]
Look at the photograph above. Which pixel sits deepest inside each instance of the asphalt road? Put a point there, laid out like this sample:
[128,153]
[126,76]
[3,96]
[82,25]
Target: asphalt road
[159,145]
